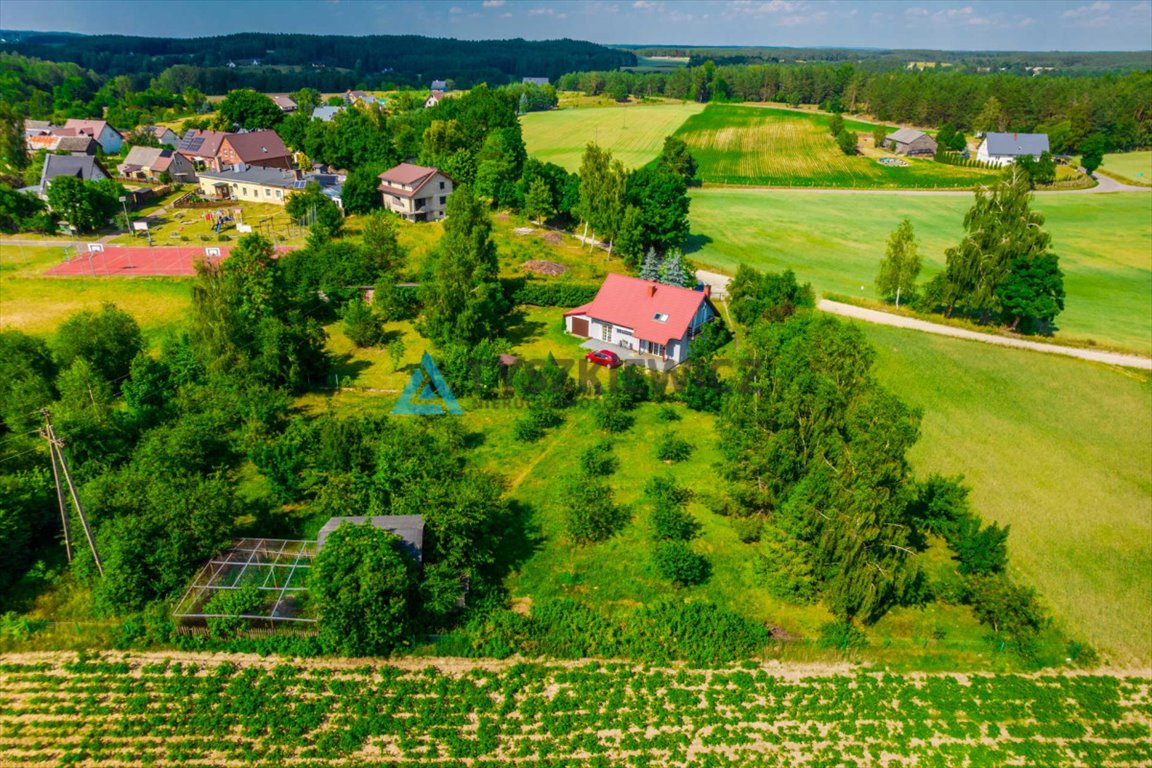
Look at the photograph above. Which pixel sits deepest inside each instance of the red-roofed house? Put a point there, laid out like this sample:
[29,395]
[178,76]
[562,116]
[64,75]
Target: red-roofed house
[643,316]
[105,135]
[259,148]
[415,192]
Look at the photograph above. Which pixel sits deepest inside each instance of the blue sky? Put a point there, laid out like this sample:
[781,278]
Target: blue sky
[939,24]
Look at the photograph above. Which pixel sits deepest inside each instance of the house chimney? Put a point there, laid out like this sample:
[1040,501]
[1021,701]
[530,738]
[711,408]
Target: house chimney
[651,290]
[707,291]
[1015,137]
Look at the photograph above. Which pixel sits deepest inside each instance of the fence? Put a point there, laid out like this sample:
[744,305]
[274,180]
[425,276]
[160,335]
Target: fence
[193,200]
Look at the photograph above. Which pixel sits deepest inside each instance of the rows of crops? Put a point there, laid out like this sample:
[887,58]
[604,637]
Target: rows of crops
[775,147]
[57,709]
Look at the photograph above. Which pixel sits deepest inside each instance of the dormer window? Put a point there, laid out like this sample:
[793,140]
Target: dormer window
[660,317]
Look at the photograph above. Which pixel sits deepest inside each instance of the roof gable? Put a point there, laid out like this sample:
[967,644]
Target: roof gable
[197,143]
[654,311]
[906,135]
[82,167]
[256,145]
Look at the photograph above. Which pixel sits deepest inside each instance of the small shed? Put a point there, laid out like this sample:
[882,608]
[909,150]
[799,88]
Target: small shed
[907,141]
[410,529]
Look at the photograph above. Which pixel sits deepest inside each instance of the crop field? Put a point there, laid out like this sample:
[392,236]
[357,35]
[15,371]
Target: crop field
[1130,167]
[635,134]
[201,710]
[836,241]
[1059,449]
[765,146]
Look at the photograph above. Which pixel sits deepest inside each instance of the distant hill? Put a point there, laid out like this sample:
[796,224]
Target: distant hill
[326,62]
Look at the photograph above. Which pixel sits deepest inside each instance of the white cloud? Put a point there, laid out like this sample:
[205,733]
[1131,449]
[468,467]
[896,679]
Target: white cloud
[455,10]
[917,12]
[493,3]
[546,12]
[643,4]
[1094,9]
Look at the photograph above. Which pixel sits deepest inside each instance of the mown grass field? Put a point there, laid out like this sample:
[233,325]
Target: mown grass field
[1058,448]
[836,241]
[634,133]
[196,709]
[1129,167]
[765,146]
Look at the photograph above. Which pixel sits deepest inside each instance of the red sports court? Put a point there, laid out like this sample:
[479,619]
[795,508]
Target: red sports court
[128,261]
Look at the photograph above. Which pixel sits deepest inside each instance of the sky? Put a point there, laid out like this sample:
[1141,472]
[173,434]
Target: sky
[1069,25]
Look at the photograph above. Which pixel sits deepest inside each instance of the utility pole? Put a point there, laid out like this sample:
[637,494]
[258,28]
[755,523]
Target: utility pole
[58,460]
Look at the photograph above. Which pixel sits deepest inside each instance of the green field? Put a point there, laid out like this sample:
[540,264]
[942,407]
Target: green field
[194,709]
[634,133]
[836,242]
[1058,448]
[765,146]
[1129,167]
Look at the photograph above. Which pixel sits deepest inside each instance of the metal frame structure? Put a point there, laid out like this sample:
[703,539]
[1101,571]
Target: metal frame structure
[277,567]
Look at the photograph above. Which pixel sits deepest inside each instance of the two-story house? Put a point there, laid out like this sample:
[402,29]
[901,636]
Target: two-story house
[415,192]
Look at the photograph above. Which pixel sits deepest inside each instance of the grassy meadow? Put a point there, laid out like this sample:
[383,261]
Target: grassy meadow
[1129,167]
[634,133]
[766,146]
[1057,448]
[836,241]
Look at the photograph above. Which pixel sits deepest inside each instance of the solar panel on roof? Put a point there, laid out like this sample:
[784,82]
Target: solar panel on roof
[192,145]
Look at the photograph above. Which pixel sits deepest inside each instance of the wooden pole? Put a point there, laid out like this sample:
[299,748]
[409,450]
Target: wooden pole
[60,497]
[55,445]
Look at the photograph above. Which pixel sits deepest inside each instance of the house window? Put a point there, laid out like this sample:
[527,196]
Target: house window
[441,185]
[606,332]
[267,193]
[660,317]
[279,193]
[443,200]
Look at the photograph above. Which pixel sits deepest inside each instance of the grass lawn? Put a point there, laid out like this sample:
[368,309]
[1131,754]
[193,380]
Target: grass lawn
[35,304]
[765,146]
[836,241]
[635,133]
[1057,448]
[1129,167]
[187,226]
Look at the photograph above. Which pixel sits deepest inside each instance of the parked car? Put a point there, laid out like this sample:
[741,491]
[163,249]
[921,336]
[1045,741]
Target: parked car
[604,357]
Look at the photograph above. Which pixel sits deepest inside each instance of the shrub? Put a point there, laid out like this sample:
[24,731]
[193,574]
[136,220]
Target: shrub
[632,386]
[748,529]
[785,567]
[712,337]
[672,523]
[673,448]
[592,514]
[362,326]
[548,384]
[610,415]
[531,426]
[842,635]
[539,293]
[232,603]
[1010,609]
[677,562]
[668,413]
[599,460]
[223,238]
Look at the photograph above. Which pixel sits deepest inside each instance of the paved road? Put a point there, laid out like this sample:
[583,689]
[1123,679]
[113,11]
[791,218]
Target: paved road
[898,321]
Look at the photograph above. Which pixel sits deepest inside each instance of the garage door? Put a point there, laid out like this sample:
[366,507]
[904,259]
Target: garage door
[580,326]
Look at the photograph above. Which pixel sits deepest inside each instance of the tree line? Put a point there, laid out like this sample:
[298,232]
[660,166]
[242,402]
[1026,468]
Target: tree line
[328,62]
[1069,109]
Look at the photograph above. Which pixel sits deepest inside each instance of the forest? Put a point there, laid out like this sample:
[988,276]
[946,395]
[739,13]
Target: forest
[275,62]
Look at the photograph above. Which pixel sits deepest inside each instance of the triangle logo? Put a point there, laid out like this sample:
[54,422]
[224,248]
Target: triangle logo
[427,393]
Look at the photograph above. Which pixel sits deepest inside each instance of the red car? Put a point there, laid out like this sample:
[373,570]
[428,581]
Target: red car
[604,357]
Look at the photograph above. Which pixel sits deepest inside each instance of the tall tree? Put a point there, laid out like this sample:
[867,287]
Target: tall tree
[13,143]
[107,339]
[464,301]
[991,117]
[661,197]
[538,200]
[1001,230]
[676,157]
[86,205]
[248,109]
[901,264]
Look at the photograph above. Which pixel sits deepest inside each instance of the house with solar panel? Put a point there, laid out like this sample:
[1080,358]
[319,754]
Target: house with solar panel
[265,185]
[642,321]
[217,151]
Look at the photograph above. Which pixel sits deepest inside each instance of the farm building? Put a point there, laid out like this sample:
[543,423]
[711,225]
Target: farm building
[410,529]
[630,316]
[416,192]
[907,141]
[284,101]
[1005,148]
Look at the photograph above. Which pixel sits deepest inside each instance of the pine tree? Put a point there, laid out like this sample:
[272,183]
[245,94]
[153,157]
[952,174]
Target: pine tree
[651,268]
[901,264]
[538,201]
[675,272]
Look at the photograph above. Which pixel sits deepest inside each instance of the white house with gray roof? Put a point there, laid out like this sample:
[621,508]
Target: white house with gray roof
[1005,148]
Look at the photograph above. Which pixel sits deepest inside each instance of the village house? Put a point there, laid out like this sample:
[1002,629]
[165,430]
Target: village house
[84,167]
[535,81]
[264,185]
[164,135]
[282,100]
[76,145]
[631,315]
[433,99]
[439,85]
[260,148]
[415,192]
[201,147]
[1005,148]
[326,114]
[907,141]
[105,135]
[148,163]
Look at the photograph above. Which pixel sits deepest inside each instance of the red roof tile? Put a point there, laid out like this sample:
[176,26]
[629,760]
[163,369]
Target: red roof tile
[407,173]
[257,145]
[634,303]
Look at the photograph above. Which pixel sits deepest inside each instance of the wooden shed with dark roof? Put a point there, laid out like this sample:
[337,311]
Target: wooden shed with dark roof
[908,141]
